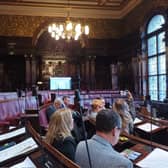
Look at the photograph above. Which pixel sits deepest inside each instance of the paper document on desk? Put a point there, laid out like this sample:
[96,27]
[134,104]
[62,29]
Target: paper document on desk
[12,134]
[137,120]
[11,127]
[27,163]
[18,149]
[157,158]
[147,127]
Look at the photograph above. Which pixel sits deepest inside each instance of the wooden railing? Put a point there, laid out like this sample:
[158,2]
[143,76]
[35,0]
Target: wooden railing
[59,157]
[143,113]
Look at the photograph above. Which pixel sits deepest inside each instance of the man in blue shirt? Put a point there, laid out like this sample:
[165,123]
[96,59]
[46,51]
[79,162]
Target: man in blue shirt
[100,146]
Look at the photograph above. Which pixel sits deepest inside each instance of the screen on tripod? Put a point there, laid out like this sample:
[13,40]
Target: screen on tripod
[60,83]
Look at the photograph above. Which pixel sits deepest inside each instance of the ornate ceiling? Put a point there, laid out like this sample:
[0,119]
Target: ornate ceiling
[107,9]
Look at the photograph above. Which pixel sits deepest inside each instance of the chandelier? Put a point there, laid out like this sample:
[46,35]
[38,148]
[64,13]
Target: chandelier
[68,30]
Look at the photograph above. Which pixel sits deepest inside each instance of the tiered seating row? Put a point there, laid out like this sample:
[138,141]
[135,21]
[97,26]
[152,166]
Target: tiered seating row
[14,107]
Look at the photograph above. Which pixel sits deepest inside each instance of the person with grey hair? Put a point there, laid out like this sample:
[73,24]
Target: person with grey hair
[100,146]
[54,107]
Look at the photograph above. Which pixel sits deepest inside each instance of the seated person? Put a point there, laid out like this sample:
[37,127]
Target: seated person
[130,102]
[54,107]
[66,101]
[102,101]
[102,153]
[96,106]
[121,107]
[59,132]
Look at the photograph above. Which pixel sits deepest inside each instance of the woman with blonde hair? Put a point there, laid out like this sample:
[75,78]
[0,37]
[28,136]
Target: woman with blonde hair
[96,106]
[121,107]
[59,132]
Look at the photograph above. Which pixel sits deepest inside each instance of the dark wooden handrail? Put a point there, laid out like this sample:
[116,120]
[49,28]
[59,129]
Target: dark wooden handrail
[146,115]
[58,155]
[139,140]
[144,141]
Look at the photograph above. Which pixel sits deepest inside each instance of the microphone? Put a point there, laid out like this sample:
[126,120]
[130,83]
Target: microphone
[77,104]
[19,93]
[34,90]
[77,95]
[150,111]
[77,99]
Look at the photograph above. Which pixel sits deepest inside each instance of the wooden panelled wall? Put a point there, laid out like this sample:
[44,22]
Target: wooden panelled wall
[22,54]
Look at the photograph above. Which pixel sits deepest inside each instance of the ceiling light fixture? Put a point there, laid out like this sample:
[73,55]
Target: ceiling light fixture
[68,30]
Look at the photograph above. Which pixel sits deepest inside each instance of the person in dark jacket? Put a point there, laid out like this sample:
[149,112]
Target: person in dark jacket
[59,132]
[53,108]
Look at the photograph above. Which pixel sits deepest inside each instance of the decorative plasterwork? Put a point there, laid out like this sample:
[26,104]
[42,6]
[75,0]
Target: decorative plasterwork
[112,9]
[31,26]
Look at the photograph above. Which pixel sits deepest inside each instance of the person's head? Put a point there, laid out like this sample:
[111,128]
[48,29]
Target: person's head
[108,125]
[97,105]
[102,101]
[58,103]
[66,100]
[129,95]
[60,125]
[120,105]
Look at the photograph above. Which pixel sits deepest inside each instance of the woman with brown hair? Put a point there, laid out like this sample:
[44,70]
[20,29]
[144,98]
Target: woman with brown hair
[121,107]
[59,132]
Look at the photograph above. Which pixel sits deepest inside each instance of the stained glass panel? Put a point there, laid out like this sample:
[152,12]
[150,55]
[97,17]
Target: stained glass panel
[155,23]
[161,42]
[162,87]
[152,46]
[153,87]
[162,64]
[152,66]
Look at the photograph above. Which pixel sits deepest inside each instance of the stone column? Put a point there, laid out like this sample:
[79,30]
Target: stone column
[87,72]
[92,72]
[34,71]
[28,59]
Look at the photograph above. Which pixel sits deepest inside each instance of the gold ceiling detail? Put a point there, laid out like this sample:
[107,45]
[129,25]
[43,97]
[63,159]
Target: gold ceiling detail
[104,9]
[26,26]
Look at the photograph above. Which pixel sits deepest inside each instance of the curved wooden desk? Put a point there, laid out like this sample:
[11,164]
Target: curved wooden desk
[143,113]
[43,156]
[158,135]
[49,152]
[137,144]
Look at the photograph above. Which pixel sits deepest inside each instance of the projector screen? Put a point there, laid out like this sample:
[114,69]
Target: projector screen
[60,83]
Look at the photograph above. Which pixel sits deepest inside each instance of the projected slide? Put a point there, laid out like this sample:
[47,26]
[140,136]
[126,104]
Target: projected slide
[60,83]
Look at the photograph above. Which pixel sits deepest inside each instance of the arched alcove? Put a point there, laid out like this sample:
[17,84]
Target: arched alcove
[57,57]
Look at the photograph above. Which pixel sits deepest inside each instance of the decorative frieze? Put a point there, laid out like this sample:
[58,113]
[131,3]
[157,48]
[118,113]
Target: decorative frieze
[28,26]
